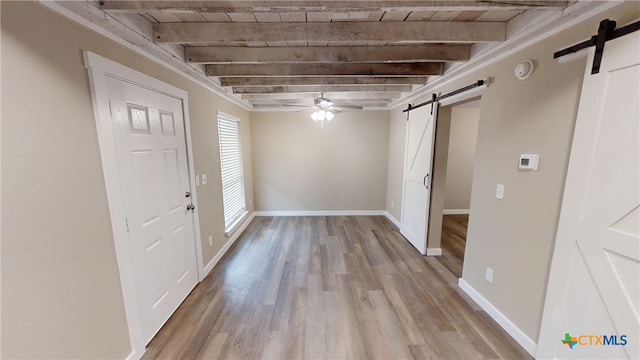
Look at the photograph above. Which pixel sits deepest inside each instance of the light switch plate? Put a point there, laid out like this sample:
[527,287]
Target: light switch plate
[204,179]
[500,191]
[489,274]
[197,180]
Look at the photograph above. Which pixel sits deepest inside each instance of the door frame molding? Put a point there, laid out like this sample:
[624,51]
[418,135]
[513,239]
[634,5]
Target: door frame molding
[99,70]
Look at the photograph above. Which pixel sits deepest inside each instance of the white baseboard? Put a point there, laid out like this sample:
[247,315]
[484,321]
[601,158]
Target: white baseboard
[434,251]
[133,356]
[455,212]
[515,332]
[392,219]
[321,213]
[236,234]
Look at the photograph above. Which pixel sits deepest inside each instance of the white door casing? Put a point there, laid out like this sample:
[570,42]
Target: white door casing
[150,145]
[100,71]
[594,281]
[416,194]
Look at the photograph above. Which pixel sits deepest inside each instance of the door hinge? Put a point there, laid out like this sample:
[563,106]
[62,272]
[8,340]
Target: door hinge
[127,223]
[110,111]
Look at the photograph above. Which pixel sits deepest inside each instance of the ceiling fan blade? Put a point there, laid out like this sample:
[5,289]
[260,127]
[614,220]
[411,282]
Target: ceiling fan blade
[296,105]
[346,107]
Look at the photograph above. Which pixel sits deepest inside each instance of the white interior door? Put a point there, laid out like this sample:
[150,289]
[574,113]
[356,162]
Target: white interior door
[594,284]
[417,175]
[152,161]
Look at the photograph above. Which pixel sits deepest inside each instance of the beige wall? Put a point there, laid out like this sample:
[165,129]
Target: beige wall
[61,294]
[515,236]
[300,166]
[461,155]
[395,173]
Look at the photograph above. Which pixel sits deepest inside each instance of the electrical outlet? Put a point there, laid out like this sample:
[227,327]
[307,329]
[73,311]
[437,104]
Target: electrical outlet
[204,179]
[489,274]
[500,191]
[250,202]
[391,203]
[210,240]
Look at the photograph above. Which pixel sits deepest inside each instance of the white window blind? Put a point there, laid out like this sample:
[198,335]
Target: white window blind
[231,170]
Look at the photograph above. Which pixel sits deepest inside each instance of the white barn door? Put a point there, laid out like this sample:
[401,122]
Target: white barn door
[593,297]
[417,175]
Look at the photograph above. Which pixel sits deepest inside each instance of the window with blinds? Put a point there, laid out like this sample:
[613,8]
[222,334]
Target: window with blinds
[231,170]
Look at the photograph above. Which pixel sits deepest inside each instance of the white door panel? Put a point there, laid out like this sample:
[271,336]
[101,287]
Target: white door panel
[417,175]
[171,167]
[149,135]
[594,284]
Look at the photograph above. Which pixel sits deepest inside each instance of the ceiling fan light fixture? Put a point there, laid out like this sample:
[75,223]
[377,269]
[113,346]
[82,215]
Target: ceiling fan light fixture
[322,115]
[328,115]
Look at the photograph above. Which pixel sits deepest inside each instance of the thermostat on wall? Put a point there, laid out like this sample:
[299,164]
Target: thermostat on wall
[528,162]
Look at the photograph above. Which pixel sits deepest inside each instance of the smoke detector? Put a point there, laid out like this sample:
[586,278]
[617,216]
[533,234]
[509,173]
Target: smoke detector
[523,70]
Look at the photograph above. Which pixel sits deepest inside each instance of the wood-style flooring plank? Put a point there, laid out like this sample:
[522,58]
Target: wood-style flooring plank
[390,327]
[453,242]
[344,287]
[315,342]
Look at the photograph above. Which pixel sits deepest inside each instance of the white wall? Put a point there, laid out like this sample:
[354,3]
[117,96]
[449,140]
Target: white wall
[299,166]
[463,134]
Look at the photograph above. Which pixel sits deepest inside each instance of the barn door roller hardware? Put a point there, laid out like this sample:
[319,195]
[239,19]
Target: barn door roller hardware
[435,98]
[606,31]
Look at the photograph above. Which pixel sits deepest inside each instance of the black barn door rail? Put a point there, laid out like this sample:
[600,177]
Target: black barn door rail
[435,98]
[606,31]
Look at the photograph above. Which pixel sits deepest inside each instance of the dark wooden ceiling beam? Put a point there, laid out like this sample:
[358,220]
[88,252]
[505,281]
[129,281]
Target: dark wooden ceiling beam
[341,6]
[321,88]
[334,54]
[309,101]
[313,81]
[401,69]
[392,32]
[309,105]
[335,96]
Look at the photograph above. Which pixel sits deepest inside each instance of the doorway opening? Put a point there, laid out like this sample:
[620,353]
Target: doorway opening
[456,137]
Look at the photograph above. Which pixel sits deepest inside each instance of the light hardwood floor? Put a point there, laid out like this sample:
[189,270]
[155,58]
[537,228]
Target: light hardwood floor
[453,242]
[329,288]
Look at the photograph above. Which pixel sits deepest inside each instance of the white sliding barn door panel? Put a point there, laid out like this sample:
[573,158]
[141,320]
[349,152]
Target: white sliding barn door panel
[417,175]
[594,283]
[152,161]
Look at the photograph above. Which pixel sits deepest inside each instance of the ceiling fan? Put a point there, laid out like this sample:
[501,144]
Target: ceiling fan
[325,109]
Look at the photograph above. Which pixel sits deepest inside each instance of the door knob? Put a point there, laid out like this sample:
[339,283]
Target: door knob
[190,207]
[187,194]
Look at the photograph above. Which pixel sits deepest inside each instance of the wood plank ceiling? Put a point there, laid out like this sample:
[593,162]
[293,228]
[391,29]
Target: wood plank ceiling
[365,53]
